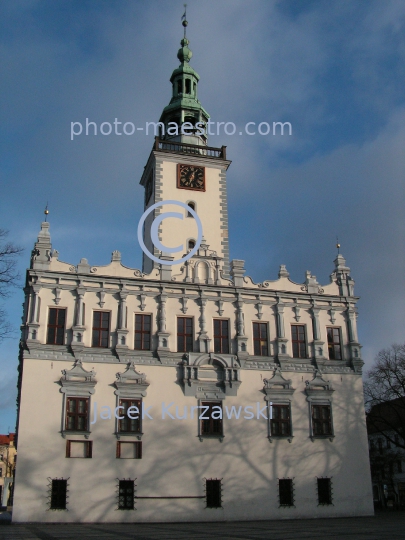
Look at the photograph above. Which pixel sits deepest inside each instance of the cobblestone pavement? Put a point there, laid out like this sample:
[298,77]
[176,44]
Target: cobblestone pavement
[382,526]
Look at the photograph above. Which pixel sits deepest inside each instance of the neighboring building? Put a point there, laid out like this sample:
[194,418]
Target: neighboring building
[385,423]
[8,457]
[99,339]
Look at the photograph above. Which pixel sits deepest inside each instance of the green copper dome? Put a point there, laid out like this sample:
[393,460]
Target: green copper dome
[184,105]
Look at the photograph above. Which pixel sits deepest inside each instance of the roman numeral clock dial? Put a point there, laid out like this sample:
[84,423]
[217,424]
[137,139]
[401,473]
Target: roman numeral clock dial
[191,177]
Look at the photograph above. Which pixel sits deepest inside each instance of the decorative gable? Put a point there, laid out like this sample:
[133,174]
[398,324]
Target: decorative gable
[130,383]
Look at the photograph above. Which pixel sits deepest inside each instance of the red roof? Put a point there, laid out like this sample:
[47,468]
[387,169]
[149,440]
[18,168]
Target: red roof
[6,439]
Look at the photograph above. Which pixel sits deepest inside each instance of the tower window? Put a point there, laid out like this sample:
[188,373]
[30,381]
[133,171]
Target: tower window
[191,244]
[191,204]
[194,88]
[188,86]
[179,87]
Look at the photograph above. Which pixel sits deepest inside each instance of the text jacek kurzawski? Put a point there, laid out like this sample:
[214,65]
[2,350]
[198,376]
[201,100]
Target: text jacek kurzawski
[174,412]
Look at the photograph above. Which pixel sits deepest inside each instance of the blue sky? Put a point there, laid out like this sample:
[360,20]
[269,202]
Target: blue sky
[334,70]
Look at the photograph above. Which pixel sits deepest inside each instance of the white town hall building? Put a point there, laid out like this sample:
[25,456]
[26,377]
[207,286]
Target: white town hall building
[187,392]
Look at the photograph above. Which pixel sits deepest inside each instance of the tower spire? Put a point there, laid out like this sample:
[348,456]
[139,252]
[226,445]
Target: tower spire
[184,20]
[184,110]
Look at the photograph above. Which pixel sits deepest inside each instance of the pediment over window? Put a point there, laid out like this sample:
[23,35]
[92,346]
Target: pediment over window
[130,383]
[277,387]
[318,388]
[78,381]
[211,376]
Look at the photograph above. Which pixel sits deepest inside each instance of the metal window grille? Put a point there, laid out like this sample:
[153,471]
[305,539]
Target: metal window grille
[324,486]
[213,493]
[58,489]
[286,491]
[126,494]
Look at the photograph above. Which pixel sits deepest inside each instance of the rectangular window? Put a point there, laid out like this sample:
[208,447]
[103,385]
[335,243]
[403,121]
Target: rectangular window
[299,343]
[324,491]
[129,450]
[185,336]
[213,493]
[143,325]
[56,326]
[321,420]
[126,495]
[77,414]
[58,494]
[285,492]
[79,449]
[280,424]
[101,328]
[260,343]
[334,347]
[128,424]
[221,336]
[210,425]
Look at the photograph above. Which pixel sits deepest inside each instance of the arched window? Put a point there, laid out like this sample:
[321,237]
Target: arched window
[191,204]
[188,86]
[191,244]
[179,86]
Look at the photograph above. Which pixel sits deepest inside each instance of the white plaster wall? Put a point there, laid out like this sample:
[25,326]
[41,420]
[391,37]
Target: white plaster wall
[175,462]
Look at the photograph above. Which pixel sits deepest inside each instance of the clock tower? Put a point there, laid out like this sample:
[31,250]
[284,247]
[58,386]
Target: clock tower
[182,167]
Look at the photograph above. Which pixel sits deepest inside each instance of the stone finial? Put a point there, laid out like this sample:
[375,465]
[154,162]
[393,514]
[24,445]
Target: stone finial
[283,271]
[83,267]
[237,272]
[311,285]
[115,256]
[341,275]
[41,254]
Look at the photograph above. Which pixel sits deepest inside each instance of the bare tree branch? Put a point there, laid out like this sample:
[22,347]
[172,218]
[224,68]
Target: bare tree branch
[9,278]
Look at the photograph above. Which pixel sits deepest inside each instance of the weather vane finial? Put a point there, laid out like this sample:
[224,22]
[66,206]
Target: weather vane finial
[46,211]
[338,245]
[183,18]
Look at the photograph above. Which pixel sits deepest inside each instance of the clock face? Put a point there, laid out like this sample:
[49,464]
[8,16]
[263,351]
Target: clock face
[191,177]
